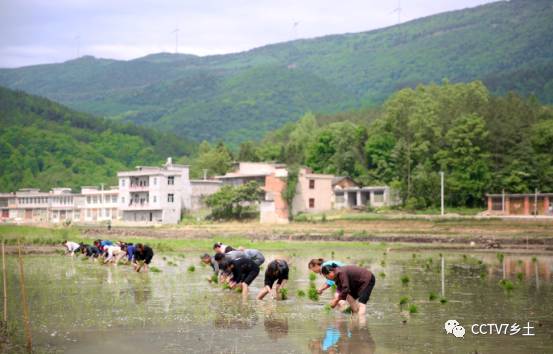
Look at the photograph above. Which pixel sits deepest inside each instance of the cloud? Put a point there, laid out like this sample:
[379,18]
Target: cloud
[40,31]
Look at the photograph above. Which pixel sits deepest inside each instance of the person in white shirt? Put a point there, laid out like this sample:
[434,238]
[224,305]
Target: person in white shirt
[71,247]
[113,254]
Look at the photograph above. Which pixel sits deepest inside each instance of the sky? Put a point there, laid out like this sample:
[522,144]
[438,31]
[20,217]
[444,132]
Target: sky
[47,31]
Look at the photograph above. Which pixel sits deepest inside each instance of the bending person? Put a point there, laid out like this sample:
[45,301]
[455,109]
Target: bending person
[142,257]
[276,273]
[244,271]
[355,285]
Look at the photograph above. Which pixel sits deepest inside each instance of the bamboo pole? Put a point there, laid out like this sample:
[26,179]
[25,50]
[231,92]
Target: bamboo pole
[24,302]
[5,285]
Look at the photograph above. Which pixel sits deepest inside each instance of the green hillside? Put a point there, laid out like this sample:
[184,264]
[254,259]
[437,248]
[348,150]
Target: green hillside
[43,144]
[239,96]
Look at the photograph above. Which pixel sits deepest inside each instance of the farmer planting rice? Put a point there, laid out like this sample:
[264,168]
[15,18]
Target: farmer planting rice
[142,257]
[70,247]
[276,273]
[355,285]
[90,251]
[113,254]
[316,264]
[243,272]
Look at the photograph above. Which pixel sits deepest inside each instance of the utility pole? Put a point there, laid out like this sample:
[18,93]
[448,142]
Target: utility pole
[503,201]
[442,192]
[536,202]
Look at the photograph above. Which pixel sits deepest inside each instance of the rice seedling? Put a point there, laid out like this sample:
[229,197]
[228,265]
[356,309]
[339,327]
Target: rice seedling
[443,301]
[191,268]
[413,308]
[214,279]
[432,296]
[300,293]
[403,300]
[520,276]
[312,293]
[283,293]
[405,279]
[312,277]
[382,275]
[500,257]
[155,269]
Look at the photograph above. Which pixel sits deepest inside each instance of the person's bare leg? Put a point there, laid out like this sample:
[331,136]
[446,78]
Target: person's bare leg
[263,292]
[244,292]
[353,304]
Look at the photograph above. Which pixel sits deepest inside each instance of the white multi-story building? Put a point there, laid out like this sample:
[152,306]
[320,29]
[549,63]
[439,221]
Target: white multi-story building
[99,204]
[154,194]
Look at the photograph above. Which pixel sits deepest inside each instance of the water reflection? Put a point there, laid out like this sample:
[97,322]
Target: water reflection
[141,288]
[276,328]
[344,336]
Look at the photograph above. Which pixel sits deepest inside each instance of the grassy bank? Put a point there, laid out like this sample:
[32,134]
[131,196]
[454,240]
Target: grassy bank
[41,236]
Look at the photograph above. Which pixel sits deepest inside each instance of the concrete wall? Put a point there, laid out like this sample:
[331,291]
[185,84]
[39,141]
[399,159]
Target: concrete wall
[321,193]
[200,190]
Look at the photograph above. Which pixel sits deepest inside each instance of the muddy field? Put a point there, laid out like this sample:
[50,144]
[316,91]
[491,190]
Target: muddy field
[80,306]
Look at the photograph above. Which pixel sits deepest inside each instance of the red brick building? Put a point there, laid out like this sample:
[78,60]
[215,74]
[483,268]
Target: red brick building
[520,204]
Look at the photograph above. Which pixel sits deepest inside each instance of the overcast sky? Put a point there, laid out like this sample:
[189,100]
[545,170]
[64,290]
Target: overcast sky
[46,31]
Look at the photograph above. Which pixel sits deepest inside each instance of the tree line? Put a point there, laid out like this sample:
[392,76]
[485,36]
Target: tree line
[483,143]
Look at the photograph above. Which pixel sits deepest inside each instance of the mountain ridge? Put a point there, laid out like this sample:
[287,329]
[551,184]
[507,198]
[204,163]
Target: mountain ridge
[213,97]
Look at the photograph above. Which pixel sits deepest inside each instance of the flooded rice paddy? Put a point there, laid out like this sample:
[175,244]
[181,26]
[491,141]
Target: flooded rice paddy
[82,307]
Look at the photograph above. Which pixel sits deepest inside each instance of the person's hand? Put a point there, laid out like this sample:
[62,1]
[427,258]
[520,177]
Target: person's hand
[320,291]
[333,303]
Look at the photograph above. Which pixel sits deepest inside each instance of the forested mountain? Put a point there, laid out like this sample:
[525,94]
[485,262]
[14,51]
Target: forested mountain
[239,96]
[484,143]
[45,145]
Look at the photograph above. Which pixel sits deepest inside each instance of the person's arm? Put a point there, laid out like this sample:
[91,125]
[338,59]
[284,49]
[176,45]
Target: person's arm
[323,288]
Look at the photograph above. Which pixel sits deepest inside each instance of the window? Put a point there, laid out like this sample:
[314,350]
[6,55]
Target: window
[114,199]
[497,203]
[171,180]
[379,196]
[155,181]
[123,200]
[311,202]
[170,198]
[311,184]
[122,182]
[155,199]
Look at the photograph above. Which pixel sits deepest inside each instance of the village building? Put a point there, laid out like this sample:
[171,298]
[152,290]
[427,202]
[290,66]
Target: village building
[272,179]
[349,195]
[98,204]
[201,189]
[154,194]
[520,204]
[313,192]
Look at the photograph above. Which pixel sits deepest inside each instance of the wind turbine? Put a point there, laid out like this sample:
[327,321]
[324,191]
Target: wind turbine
[398,10]
[176,32]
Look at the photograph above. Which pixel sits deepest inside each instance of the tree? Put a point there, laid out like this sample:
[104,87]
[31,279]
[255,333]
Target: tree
[234,202]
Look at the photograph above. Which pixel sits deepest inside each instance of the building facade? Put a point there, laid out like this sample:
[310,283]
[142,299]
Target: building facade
[201,189]
[99,204]
[520,204]
[313,192]
[154,194]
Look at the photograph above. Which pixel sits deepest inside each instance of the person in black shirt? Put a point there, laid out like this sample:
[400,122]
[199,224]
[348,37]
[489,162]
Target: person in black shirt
[90,251]
[243,271]
[277,272]
[142,257]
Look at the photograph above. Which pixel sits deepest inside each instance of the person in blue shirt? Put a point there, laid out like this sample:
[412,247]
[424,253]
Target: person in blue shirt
[129,249]
[315,265]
